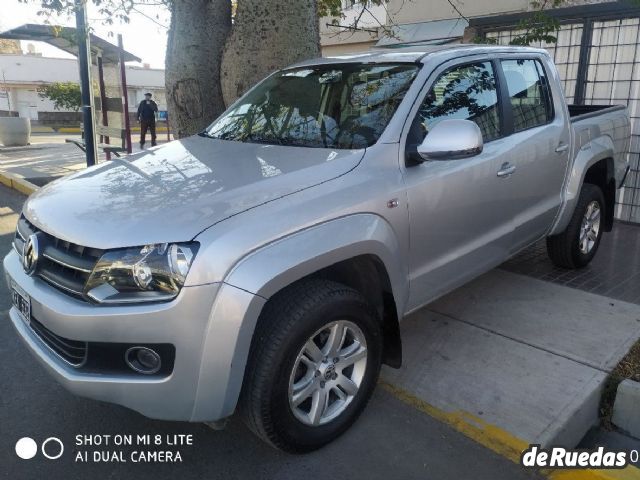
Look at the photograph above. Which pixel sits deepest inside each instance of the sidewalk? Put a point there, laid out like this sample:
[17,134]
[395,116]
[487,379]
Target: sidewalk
[511,352]
[49,157]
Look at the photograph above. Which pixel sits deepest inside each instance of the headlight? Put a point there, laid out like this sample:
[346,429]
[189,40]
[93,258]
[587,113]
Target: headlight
[142,274]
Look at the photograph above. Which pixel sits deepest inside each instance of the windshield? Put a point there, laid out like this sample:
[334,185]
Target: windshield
[324,106]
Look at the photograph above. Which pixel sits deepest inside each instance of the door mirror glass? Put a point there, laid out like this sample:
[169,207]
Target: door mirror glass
[452,139]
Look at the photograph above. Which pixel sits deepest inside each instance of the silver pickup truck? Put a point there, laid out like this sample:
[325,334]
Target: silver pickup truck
[263,266]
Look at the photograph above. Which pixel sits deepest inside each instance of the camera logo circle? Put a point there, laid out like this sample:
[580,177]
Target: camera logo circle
[59,448]
[27,448]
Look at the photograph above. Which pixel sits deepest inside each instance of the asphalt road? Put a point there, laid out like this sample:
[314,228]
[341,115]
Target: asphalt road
[391,439]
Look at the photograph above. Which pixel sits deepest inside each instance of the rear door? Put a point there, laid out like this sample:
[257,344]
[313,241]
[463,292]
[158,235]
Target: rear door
[540,145]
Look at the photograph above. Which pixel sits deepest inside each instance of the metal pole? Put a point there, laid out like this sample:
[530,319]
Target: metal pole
[84,60]
[103,101]
[583,62]
[125,95]
[6,90]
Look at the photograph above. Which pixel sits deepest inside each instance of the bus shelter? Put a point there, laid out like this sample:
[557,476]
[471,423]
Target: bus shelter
[107,80]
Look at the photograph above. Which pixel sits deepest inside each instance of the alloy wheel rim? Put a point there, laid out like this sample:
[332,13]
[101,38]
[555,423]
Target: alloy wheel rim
[328,373]
[590,227]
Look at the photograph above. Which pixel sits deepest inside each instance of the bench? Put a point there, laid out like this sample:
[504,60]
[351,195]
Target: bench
[104,132]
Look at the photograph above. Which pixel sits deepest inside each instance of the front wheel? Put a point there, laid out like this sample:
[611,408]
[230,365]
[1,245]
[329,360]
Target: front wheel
[578,244]
[314,362]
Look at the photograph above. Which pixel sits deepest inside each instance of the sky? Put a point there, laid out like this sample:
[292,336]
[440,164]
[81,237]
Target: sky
[142,36]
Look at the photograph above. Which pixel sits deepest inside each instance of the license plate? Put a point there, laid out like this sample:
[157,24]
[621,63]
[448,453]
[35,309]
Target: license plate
[22,302]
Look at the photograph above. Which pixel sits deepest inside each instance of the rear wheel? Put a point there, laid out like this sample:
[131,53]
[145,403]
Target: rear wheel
[578,244]
[314,362]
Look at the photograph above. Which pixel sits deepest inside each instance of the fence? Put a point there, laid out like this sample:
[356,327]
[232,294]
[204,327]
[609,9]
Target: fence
[598,60]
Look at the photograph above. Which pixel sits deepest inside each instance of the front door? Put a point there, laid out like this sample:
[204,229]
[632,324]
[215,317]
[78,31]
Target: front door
[459,226]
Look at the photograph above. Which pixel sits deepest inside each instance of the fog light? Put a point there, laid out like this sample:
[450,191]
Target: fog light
[143,360]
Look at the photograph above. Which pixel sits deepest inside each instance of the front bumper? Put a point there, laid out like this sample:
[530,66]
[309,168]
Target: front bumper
[183,322]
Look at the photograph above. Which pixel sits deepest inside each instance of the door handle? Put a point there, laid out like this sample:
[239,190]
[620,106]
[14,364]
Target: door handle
[563,147]
[506,170]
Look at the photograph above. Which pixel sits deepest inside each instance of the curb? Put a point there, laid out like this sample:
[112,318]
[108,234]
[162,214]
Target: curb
[36,129]
[626,411]
[133,130]
[500,441]
[17,183]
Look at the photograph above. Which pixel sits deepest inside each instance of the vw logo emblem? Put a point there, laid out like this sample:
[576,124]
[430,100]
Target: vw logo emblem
[30,254]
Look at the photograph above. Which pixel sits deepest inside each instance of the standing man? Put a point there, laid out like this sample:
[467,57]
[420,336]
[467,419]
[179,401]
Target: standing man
[147,117]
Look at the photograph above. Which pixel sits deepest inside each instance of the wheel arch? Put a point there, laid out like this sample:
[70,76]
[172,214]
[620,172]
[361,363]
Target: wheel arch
[360,251]
[327,249]
[596,157]
[602,174]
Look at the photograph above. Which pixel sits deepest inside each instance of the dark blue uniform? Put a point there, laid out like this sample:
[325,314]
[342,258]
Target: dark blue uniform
[147,117]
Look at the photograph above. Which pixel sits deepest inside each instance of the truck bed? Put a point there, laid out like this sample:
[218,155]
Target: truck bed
[582,112]
[591,122]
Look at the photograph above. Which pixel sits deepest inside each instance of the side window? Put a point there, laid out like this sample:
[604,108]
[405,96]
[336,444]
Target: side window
[464,92]
[529,93]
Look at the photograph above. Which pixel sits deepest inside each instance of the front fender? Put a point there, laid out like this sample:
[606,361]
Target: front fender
[589,154]
[279,264]
[261,274]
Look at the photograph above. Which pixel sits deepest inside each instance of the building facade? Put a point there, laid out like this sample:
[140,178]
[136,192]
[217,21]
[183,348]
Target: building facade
[21,75]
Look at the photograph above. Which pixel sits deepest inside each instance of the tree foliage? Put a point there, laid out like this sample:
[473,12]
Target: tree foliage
[64,95]
[538,26]
[333,8]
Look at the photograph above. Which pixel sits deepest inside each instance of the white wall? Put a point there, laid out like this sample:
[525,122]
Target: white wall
[25,73]
[416,11]
[333,36]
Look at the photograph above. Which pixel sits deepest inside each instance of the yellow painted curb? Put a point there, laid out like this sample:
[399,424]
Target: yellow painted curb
[42,130]
[17,183]
[486,434]
[499,441]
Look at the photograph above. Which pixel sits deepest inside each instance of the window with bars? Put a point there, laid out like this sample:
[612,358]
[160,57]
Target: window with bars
[565,53]
[612,76]
[347,4]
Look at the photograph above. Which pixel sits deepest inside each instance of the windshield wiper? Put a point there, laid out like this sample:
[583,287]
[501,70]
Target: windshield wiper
[284,141]
[266,141]
[206,134]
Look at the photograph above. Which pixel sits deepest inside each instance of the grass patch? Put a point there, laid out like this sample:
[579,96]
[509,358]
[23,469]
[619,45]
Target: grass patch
[628,368]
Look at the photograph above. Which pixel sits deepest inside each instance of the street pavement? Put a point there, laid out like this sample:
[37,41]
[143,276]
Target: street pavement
[392,440]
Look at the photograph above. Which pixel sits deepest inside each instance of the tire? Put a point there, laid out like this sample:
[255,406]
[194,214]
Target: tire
[570,249]
[278,365]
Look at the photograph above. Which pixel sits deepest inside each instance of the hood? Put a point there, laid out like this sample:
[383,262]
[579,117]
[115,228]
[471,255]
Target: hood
[173,192]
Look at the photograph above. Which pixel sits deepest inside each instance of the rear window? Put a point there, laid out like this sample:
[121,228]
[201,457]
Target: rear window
[529,93]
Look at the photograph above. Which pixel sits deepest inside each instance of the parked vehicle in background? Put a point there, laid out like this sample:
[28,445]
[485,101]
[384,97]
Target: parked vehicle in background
[264,265]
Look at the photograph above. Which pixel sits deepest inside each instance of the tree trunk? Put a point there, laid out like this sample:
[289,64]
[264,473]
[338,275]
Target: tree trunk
[197,35]
[267,35]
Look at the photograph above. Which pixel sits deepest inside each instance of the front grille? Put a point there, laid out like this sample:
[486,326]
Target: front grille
[71,351]
[62,264]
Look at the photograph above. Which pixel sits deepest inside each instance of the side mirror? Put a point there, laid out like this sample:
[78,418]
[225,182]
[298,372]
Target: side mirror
[452,139]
